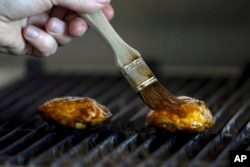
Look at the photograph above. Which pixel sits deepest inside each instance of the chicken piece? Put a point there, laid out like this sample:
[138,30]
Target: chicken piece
[74,112]
[192,115]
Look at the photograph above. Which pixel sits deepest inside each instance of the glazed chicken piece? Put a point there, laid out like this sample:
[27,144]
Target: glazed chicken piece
[191,115]
[74,112]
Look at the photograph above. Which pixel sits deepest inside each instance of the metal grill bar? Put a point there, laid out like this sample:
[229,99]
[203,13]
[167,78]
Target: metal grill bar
[99,152]
[123,150]
[213,149]
[240,142]
[23,142]
[126,140]
[86,144]
[221,117]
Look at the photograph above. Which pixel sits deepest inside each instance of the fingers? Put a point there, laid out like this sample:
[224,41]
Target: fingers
[58,29]
[64,30]
[45,39]
[17,9]
[88,6]
[62,25]
[65,24]
[77,27]
[43,43]
[108,11]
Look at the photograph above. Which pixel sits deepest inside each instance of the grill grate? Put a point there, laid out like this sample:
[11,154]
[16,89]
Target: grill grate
[125,141]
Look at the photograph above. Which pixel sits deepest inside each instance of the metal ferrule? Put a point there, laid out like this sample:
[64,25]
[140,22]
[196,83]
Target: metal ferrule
[138,74]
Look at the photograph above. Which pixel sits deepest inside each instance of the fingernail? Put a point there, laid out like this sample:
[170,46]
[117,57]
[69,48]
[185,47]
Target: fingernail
[32,32]
[82,30]
[57,27]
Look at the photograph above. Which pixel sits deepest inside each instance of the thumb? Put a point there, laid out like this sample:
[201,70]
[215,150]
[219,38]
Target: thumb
[84,6]
[18,9]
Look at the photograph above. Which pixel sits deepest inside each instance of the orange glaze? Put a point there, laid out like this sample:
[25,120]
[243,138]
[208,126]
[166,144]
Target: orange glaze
[191,115]
[74,112]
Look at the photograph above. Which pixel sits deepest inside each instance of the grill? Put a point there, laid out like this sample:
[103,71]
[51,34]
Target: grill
[27,140]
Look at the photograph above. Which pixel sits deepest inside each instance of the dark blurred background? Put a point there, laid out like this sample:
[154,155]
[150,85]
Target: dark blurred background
[179,36]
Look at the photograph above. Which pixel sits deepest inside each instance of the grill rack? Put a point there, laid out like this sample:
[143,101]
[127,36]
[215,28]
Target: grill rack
[27,140]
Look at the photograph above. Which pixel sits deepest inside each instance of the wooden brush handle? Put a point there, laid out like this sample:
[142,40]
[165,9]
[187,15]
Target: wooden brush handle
[123,52]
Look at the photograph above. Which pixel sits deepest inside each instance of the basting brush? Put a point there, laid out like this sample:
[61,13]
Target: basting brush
[168,112]
[132,66]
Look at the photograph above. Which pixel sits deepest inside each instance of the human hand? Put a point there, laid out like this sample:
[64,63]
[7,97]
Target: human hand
[38,27]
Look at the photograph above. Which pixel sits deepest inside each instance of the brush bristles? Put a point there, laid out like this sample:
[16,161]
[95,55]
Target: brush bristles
[157,97]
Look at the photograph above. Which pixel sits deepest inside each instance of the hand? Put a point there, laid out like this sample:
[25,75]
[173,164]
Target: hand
[38,27]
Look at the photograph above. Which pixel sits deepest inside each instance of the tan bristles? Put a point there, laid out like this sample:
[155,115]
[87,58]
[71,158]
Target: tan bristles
[157,97]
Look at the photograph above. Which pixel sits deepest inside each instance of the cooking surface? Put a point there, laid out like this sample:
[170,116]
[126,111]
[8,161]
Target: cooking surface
[26,139]
[178,35]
